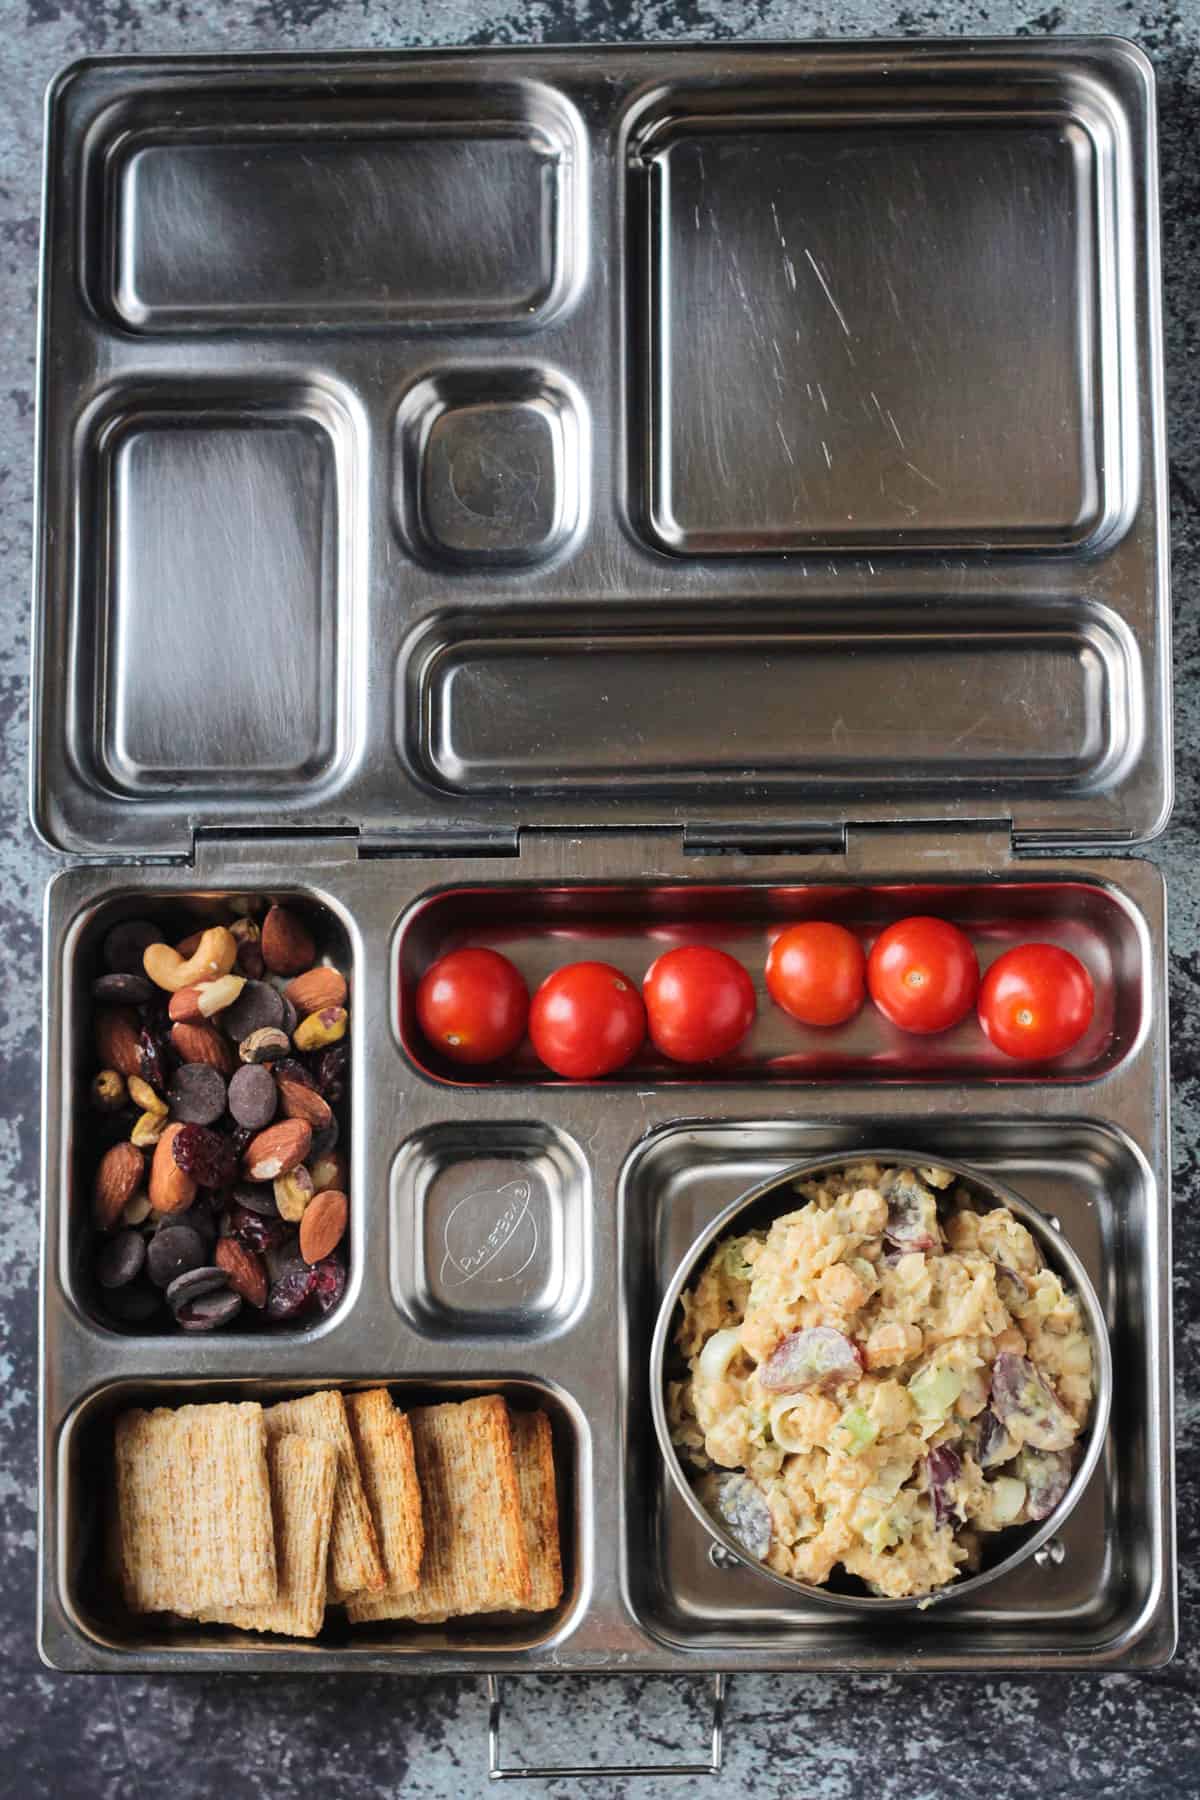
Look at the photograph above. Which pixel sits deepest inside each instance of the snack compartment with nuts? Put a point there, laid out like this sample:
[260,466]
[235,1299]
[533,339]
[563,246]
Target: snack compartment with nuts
[211,1105]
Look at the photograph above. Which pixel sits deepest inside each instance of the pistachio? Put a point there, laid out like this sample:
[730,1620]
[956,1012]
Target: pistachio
[264,1045]
[108,1091]
[148,1129]
[321,1029]
[293,1193]
[143,1095]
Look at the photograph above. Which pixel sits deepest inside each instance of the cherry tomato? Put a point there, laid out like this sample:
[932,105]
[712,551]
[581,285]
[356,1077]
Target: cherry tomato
[699,1003]
[473,1005]
[1036,1001]
[817,973]
[586,1020]
[923,974]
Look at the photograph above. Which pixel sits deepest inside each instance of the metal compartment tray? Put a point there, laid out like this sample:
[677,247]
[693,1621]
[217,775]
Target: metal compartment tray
[567,497]
[617,1180]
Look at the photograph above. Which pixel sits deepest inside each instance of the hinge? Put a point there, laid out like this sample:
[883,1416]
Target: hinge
[763,840]
[219,849]
[944,846]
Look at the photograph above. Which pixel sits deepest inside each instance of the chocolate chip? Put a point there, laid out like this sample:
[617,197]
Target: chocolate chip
[210,1312]
[191,1285]
[197,1218]
[121,1259]
[197,1094]
[134,1304]
[174,1251]
[253,1096]
[257,1197]
[124,990]
[291,1018]
[256,1007]
[126,943]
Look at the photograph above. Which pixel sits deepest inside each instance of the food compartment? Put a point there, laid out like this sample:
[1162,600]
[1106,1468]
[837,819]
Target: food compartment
[215,597]
[541,928]
[466,215]
[97,1622]
[89,1129]
[866,269]
[489,465]
[490,1230]
[651,703]
[1093,1589]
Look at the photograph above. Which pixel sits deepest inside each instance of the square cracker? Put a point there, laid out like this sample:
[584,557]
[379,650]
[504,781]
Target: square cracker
[225,1532]
[384,1442]
[146,1510]
[475,1557]
[194,1508]
[533,1449]
[355,1563]
[304,1475]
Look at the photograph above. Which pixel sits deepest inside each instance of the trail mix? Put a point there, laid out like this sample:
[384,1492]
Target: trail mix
[220,1189]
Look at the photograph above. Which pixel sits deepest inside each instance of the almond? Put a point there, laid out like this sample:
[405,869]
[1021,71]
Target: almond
[246,1273]
[184,1007]
[121,1172]
[203,1044]
[300,1102]
[331,1170]
[277,1150]
[286,943]
[171,1191]
[117,1032]
[316,989]
[324,1225]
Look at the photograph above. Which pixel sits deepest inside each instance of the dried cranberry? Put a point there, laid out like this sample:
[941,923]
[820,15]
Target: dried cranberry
[209,1160]
[329,1283]
[155,1067]
[330,1068]
[254,1231]
[291,1293]
[290,1068]
[239,1137]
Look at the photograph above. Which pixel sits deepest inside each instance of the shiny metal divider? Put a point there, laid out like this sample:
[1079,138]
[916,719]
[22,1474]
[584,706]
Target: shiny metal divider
[584,1356]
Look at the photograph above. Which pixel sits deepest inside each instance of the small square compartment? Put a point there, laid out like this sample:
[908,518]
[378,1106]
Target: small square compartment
[488,467]
[490,1230]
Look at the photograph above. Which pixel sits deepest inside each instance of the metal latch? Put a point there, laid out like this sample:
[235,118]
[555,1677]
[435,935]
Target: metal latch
[498,1770]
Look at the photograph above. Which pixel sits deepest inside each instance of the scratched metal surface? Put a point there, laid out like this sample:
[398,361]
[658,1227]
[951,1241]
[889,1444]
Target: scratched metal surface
[899,1735]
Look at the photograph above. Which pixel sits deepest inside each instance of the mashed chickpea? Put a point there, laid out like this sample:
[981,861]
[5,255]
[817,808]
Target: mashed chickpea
[873,1385]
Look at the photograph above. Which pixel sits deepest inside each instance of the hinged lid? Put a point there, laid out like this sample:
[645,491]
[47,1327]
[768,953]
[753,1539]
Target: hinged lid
[785,449]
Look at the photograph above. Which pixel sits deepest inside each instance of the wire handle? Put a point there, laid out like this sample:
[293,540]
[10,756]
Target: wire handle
[499,1771]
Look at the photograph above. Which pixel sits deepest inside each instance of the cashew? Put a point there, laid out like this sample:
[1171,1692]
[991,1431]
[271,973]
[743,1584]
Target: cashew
[214,955]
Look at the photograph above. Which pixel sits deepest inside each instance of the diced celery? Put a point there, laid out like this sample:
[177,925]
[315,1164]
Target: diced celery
[934,1390]
[736,1266]
[859,1429]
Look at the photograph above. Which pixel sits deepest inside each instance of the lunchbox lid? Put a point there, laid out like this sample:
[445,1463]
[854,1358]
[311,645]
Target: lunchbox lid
[780,451]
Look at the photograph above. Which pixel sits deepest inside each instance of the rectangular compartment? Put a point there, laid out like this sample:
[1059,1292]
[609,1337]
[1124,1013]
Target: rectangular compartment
[490,1230]
[1095,1595]
[849,260]
[178,914]
[430,208]
[215,592]
[541,928]
[832,702]
[95,1611]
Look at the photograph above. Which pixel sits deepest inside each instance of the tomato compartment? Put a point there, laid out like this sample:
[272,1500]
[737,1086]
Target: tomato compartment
[543,928]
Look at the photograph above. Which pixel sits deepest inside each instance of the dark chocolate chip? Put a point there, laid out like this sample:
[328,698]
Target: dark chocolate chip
[196,1282]
[198,1218]
[291,1018]
[174,1250]
[197,1094]
[324,1141]
[210,1312]
[257,1006]
[257,1197]
[121,1259]
[126,944]
[253,1096]
[123,989]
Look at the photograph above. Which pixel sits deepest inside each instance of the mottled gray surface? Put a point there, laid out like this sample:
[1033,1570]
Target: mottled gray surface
[893,1739]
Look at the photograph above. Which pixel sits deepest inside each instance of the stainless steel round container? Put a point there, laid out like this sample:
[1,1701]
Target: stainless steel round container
[764,1203]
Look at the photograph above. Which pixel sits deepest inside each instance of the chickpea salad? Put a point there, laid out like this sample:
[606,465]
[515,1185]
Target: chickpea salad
[878,1379]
